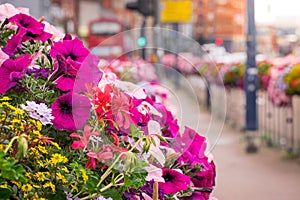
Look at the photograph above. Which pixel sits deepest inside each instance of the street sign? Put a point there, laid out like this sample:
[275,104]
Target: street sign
[173,11]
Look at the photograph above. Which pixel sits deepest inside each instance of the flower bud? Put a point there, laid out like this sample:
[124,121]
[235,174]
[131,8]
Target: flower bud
[22,146]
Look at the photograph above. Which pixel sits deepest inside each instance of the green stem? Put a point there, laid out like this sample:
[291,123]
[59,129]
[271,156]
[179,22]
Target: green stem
[108,171]
[10,143]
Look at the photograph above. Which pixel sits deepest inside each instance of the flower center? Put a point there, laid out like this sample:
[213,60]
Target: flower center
[168,177]
[66,108]
[73,57]
[24,24]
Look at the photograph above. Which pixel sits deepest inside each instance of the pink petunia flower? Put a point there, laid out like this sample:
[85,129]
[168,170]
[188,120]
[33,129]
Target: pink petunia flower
[8,10]
[11,71]
[174,181]
[73,49]
[3,57]
[70,112]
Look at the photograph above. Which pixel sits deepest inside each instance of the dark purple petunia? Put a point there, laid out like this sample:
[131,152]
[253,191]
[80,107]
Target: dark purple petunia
[27,23]
[174,181]
[70,49]
[39,72]
[147,189]
[70,111]
[11,71]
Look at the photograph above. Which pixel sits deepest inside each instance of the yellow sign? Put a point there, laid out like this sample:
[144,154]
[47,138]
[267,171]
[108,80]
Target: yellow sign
[176,11]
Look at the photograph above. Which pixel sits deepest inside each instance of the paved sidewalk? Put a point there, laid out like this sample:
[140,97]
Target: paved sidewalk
[240,176]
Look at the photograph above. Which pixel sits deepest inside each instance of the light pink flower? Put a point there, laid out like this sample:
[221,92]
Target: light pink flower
[56,35]
[3,57]
[154,173]
[8,10]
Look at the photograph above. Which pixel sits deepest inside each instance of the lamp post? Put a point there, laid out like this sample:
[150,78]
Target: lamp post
[251,83]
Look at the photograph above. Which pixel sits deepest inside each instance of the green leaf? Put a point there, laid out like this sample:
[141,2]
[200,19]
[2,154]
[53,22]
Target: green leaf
[113,193]
[5,193]
[136,179]
[135,132]
[92,183]
[59,194]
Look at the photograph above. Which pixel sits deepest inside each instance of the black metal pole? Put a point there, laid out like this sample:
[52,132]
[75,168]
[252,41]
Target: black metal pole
[251,77]
[176,77]
[143,34]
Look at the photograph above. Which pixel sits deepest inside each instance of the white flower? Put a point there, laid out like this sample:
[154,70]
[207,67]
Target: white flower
[39,111]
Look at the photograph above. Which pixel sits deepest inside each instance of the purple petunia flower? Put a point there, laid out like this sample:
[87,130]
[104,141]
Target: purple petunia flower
[174,181]
[39,72]
[70,111]
[11,71]
[73,49]
[27,23]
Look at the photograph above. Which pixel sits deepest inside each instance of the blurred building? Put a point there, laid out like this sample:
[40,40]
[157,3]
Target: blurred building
[37,8]
[221,19]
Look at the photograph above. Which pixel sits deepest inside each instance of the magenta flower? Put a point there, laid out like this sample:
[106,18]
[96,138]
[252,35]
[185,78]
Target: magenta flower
[88,75]
[44,36]
[28,23]
[14,43]
[174,181]
[70,112]
[73,49]
[171,126]
[11,71]
[191,144]
[205,178]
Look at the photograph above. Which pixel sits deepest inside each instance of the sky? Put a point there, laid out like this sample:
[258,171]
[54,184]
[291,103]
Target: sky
[268,10]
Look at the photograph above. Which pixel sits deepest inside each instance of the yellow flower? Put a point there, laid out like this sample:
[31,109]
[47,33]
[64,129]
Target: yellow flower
[5,98]
[49,184]
[62,177]
[18,184]
[84,176]
[27,187]
[64,169]
[3,185]
[74,187]
[40,176]
[34,151]
[42,149]
[36,186]
[18,112]
[56,145]
[39,125]
[2,147]
[28,175]
[57,158]
[35,132]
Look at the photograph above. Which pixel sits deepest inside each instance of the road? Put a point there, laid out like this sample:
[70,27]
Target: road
[264,175]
